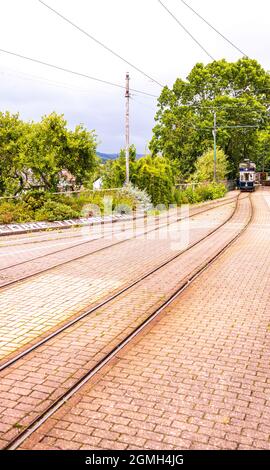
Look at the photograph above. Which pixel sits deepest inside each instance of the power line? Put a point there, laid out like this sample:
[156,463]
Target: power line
[212,27]
[231,127]
[143,104]
[186,30]
[26,76]
[100,43]
[241,107]
[63,69]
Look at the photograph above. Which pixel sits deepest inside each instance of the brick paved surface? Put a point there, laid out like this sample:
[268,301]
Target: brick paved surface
[32,307]
[74,232]
[38,256]
[198,379]
[34,382]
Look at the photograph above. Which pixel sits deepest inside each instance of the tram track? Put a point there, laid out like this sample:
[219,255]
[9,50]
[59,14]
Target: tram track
[63,234]
[112,297]
[36,423]
[11,281]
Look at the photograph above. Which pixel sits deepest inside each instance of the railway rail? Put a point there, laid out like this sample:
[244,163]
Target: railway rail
[7,279]
[42,417]
[75,232]
[115,295]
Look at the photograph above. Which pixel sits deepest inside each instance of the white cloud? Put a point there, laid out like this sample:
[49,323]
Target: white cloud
[140,30]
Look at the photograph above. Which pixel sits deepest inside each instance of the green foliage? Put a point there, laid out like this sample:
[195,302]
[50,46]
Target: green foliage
[204,166]
[155,175]
[200,193]
[35,199]
[34,154]
[52,210]
[12,131]
[263,150]
[240,94]
[114,171]
[140,196]
[50,147]
[45,206]
[15,212]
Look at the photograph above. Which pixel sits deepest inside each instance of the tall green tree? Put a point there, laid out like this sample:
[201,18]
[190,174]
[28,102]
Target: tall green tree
[50,147]
[113,172]
[156,175]
[12,131]
[238,92]
[204,166]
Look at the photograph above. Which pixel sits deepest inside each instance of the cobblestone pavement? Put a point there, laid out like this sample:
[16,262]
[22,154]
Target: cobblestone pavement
[30,385]
[32,307]
[198,378]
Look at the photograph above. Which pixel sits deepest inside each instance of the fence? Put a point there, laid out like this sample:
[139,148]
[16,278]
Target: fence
[230,184]
[69,193]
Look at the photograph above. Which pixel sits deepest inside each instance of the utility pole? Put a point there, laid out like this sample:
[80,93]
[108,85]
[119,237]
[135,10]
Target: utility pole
[127,127]
[215,145]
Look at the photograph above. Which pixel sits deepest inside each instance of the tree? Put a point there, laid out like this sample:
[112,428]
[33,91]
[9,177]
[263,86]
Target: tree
[12,130]
[239,93]
[204,167]
[263,152]
[113,172]
[49,147]
[156,175]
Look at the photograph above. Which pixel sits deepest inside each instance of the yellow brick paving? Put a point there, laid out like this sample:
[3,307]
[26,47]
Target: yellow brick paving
[32,307]
[30,386]
[198,379]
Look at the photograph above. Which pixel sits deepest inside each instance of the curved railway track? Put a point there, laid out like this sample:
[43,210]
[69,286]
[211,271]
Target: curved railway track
[11,281]
[40,237]
[38,421]
[107,300]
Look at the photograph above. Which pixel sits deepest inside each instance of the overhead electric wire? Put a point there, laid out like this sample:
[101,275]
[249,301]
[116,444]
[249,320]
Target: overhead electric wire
[80,74]
[100,43]
[185,29]
[26,76]
[214,29]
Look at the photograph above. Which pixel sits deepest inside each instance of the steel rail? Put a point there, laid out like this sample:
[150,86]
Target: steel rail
[15,358]
[43,417]
[62,263]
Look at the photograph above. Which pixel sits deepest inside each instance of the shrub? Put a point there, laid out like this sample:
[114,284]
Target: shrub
[15,212]
[200,193]
[35,199]
[52,210]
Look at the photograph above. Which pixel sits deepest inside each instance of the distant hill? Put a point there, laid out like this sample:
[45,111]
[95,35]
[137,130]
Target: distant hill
[112,156]
[107,156]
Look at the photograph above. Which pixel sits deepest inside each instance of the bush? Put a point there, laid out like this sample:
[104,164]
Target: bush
[40,205]
[200,193]
[139,196]
[52,210]
[15,212]
[35,199]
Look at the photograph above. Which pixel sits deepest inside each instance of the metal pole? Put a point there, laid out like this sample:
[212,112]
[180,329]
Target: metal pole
[127,127]
[215,145]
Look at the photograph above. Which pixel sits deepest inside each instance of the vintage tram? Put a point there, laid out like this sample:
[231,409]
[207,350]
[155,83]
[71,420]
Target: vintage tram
[247,176]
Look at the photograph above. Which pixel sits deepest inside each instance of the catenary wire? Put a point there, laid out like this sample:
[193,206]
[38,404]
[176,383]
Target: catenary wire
[100,43]
[214,29]
[185,29]
[63,69]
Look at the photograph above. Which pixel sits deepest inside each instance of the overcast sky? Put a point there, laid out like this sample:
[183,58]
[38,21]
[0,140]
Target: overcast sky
[139,30]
